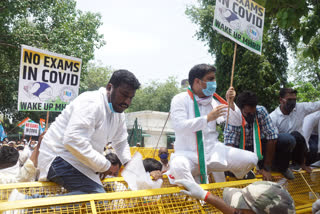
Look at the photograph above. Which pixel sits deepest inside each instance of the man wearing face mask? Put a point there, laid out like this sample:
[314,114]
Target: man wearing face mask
[288,119]
[71,153]
[163,155]
[194,116]
[258,134]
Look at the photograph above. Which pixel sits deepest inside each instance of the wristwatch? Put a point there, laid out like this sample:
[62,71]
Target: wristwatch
[267,168]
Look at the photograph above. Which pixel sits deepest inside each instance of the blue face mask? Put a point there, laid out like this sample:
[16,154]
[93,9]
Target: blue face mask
[210,89]
[164,156]
[111,108]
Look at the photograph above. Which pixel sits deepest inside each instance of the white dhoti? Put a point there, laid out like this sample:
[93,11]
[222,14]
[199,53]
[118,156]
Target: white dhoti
[222,158]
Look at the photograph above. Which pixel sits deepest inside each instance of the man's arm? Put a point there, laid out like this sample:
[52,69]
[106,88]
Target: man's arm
[308,108]
[78,137]
[195,191]
[266,170]
[119,142]
[179,116]
[232,136]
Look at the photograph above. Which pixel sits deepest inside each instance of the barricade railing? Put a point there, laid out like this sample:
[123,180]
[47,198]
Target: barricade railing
[304,189]
[164,200]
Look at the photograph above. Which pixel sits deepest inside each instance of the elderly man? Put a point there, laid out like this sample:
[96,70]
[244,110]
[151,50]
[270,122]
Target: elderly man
[195,115]
[71,153]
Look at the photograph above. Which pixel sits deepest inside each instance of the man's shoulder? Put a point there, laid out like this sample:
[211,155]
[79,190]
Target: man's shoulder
[180,96]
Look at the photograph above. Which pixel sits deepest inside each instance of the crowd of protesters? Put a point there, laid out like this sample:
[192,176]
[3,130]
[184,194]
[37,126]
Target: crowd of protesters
[74,152]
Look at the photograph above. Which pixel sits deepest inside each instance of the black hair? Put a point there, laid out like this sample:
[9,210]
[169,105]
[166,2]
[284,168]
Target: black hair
[247,98]
[199,71]
[151,164]
[285,91]
[8,156]
[124,77]
[113,158]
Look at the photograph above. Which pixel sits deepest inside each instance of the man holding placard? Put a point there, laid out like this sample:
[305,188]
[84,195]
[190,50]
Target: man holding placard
[195,115]
[71,153]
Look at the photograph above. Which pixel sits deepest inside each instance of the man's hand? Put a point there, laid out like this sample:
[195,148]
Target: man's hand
[230,95]
[194,190]
[218,111]
[108,172]
[266,175]
[156,175]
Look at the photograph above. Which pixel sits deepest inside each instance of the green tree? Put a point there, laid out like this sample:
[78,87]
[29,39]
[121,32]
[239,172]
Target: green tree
[54,25]
[262,74]
[95,77]
[156,96]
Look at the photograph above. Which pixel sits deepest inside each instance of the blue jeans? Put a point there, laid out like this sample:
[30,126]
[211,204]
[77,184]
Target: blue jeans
[64,174]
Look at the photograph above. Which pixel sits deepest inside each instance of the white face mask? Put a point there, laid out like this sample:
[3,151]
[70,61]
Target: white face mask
[33,146]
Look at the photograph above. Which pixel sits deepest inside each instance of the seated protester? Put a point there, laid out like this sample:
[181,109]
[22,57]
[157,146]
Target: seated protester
[310,131]
[115,165]
[154,167]
[274,152]
[10,172]
[114,172]
[194,116]
[288,119]
[163,155]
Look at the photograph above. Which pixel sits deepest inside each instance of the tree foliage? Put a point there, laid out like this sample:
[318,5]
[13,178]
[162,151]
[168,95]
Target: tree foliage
[262,74]
[54,25]
[156,96]
[95,77]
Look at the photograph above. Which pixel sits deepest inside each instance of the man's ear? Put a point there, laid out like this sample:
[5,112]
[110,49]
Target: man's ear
[109,86]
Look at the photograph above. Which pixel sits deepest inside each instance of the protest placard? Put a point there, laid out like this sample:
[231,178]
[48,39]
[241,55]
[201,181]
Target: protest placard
[31,129]
[241,21]
[48,81]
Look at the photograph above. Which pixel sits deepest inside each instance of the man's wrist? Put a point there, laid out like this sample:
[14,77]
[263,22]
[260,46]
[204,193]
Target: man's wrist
[206,196]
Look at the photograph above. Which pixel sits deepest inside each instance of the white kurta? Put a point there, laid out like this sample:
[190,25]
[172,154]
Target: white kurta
[311,125]
[218,156]
[80,134]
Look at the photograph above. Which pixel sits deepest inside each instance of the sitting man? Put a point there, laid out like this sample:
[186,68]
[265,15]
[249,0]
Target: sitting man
[258,134]
[288,119]
[11,172]
[164,155]
[311,130]
[154,167]
[71,153]
[194,115]
[115,162]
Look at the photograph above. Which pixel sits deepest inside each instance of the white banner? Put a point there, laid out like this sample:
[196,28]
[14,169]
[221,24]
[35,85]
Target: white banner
[31,129]
[240,21]
[48,81]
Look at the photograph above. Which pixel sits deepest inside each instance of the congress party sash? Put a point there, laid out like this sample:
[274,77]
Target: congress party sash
[256,138]
[200,147]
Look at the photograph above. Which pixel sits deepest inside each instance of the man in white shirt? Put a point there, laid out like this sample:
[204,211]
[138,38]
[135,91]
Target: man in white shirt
[311,130]
[195,115]
[288,119]
[71,153]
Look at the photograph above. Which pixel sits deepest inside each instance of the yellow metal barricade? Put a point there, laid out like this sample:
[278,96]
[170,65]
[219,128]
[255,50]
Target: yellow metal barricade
[148,152]
[164,200]
[304,189]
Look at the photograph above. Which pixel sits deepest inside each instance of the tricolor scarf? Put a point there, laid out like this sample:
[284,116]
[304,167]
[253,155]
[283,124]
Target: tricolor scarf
[200,147]
[256,137]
